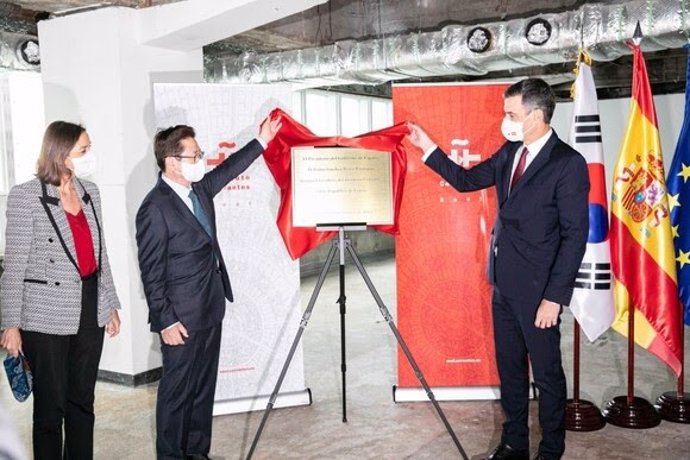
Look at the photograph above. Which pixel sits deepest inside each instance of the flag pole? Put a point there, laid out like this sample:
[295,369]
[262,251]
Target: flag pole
[631,411]
[674,406]
[580,414]
[631,354]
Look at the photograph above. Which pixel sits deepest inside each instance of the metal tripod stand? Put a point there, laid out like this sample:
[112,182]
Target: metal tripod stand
[342,244]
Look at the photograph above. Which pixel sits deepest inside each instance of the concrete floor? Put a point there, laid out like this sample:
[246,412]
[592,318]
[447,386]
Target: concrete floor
[377,427]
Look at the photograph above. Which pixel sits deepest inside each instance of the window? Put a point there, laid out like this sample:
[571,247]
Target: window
[297,109]
[328,113]
[22,124]
[320,114]
[381,113]
[354,116]
[28,123]
[6,168]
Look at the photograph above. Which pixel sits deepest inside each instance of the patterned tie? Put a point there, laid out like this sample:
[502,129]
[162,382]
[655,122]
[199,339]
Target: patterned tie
[199,212]
[520,168]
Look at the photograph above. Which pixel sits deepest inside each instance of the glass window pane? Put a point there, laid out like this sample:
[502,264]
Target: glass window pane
[354,115]
[381,113]
[21,131]
[321,116]
[296,112]
[5,135]
[28,123]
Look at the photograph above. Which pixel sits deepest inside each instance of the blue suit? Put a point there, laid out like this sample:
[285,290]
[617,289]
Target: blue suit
[538,242]
[185,280]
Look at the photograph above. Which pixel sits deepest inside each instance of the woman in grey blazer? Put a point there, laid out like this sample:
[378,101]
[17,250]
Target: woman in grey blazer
[56,292]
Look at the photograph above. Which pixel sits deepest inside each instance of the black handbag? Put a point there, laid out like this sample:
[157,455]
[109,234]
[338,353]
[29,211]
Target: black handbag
[19,376]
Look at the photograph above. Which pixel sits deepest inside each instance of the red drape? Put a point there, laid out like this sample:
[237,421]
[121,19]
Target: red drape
[299,240]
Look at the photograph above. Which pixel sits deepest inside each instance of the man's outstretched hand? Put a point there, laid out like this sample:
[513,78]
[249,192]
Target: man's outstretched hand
[269,128]
[418,137]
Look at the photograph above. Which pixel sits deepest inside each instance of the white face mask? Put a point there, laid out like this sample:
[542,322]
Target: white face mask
[84,165]
[193,172]
[512,130]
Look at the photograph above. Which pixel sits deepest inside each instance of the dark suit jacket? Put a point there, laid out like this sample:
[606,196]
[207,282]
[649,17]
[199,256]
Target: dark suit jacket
[182,268]
[540,234]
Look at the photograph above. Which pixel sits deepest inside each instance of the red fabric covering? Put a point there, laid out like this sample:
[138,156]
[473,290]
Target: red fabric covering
[300,240]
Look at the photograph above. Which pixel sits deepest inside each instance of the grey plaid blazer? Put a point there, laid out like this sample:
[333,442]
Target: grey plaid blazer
[40,288]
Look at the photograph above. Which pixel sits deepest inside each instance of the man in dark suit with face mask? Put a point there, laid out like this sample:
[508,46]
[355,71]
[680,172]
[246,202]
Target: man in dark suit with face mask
[186,282]
[539,239]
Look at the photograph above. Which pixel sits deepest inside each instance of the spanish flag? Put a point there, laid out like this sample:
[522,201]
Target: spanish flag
[642,252]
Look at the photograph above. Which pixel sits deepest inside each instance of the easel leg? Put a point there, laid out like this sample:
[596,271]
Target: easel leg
[418,373]
[303,324]
[342,302]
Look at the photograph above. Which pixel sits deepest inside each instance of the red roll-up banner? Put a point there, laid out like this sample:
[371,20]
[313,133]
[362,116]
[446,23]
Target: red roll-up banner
[444,298]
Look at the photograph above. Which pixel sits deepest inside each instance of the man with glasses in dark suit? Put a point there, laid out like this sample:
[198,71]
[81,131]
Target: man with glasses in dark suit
[186,282]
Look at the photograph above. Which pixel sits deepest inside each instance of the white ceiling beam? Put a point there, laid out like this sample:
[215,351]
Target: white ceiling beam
[191,24]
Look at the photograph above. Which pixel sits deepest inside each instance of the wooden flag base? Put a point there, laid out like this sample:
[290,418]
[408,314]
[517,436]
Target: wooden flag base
[583,415]
[673,408]
[637,414]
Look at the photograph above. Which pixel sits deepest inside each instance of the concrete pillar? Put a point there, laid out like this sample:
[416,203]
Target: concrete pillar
[98,69]
[95,73]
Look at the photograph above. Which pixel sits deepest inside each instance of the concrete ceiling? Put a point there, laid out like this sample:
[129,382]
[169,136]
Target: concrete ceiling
[60,5]
[363,19]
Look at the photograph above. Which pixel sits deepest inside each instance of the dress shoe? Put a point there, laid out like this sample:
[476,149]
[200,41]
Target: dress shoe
[542,456]
[505,452]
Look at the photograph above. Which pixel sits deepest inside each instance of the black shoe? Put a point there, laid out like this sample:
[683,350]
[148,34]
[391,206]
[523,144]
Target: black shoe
[505,452]
[542,456]
[197,457]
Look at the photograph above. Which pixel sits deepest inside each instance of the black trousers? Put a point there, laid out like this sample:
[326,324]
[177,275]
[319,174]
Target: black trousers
[517,339]
[184,409]
[65,368]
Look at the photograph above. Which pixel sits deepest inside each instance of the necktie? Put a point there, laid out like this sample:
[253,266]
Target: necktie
[199,212]
[520,168]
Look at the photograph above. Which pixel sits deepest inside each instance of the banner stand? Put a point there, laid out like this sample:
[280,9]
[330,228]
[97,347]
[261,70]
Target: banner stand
[341,244]
[240,405]
[468,393]
[444,313]
[259,322]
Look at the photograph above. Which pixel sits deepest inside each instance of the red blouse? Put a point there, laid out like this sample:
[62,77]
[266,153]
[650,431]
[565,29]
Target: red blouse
[82,243]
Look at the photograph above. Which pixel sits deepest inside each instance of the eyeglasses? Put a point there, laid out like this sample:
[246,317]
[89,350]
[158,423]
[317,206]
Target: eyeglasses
[199,156]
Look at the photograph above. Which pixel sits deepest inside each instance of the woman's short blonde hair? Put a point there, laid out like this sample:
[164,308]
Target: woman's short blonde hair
[58,141]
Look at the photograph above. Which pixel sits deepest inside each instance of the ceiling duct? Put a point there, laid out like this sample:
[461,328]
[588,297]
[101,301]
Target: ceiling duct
[19,51]
[474,50]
